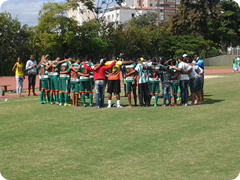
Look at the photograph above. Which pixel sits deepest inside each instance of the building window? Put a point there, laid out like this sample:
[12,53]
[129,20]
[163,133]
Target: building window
[172,5]
[117,15]
[151,5]
[133,15]
[112,16]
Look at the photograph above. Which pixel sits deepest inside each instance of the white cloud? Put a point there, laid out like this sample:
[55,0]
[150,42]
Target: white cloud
[25,10]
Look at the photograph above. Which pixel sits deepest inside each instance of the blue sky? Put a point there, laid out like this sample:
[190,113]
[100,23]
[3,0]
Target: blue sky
[25,10]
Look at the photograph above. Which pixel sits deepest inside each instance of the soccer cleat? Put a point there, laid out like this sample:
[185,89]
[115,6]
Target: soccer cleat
[109,106]
[98,107]
[84,105]
[57,103]
[42,103]
[60,104]
[119,106]
[174,104]
[91,105]
[65,104]
[155,105]
[51,103]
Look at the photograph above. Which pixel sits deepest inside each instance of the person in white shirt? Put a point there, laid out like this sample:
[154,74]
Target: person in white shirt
[184,80]
[31,67]
[142,70]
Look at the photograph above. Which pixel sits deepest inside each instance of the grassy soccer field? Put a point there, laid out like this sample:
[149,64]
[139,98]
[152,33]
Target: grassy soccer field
[184,143]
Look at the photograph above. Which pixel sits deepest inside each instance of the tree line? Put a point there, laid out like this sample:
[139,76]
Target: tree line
[202,27]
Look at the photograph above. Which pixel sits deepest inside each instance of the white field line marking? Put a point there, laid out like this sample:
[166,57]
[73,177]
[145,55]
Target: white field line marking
[10,100]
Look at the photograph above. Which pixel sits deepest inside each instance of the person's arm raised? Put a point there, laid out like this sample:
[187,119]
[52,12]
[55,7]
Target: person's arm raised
[110,66]
[87,67]
[127,62]
[14,67]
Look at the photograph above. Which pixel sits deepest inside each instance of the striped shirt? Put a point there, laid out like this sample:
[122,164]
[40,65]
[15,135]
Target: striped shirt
[142,73]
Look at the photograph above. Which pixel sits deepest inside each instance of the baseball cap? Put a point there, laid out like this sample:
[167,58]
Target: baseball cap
[185,55]
[102,60]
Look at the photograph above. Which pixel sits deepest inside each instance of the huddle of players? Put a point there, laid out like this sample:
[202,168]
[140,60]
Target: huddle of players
[171,74]
[59,76]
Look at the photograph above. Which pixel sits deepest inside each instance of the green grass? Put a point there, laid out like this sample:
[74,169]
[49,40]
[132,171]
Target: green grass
[184,143]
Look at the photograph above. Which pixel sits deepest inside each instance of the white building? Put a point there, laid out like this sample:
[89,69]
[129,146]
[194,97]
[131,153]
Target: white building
[128,10]
[121,14]
[81,14]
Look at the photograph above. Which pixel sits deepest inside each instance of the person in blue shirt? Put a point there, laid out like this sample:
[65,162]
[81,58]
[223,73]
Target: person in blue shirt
[199,62]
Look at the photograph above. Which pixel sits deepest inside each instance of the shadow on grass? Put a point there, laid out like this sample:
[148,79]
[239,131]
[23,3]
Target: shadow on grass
[212,101]
[207,95]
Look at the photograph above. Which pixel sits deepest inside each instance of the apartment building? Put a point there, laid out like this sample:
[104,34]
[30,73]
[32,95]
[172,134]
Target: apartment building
[81,14]
[128,10]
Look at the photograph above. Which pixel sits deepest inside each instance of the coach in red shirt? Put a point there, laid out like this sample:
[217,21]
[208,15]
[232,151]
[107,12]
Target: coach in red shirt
[99,78]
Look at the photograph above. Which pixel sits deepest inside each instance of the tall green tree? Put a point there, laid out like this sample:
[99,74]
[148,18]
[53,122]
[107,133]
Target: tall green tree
[55,31]
[14,42]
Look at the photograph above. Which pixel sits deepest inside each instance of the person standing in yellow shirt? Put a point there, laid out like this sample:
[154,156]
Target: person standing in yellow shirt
[18,68]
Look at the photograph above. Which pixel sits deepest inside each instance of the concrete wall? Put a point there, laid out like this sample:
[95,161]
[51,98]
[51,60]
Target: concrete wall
[224,60]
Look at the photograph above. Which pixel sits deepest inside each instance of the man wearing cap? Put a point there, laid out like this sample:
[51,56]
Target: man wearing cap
[184,80]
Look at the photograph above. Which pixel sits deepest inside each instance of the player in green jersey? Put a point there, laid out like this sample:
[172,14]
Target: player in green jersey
[154,80]
[130,83]
[174,82]
[91,74]
[85,83]
[64,78]
[74,81]
[44,80]
[53,66]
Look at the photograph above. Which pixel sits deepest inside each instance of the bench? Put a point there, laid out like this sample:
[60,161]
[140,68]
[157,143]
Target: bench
[5,87]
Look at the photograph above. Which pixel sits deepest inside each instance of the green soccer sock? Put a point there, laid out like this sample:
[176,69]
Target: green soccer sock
[91,98]
[57,100]
[83,98]
[66,97]
[41,96]
[60,97]
[156,99]
[51,98]
[175,99]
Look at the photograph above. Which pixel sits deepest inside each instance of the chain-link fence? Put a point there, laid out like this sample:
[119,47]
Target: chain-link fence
[233,51]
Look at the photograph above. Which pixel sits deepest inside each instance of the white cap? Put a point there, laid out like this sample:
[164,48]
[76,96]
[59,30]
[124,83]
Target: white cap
[193,62]
[185,55]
